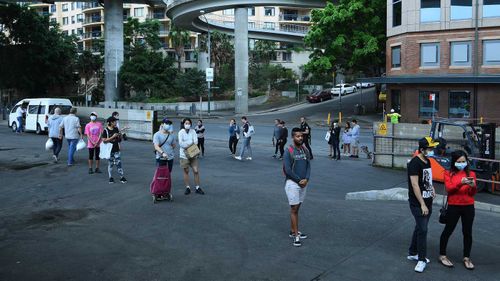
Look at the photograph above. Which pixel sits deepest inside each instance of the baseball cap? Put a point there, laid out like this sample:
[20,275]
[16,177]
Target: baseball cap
[111,119]
[427,142]
[93,113]
[166,121]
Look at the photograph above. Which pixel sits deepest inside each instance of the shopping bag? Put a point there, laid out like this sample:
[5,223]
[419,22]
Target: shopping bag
[105,150]
[49,144]
[81,145]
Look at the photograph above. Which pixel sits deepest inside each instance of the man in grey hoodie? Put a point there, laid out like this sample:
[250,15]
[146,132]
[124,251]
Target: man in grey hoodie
[297,169]
[53,124]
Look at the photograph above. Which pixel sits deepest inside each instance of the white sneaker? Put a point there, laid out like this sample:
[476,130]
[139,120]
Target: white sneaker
[415,258]
[238,158]
[249,158]
[420,266]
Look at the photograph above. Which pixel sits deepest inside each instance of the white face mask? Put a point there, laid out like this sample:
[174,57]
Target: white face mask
[93,118]
[187,126]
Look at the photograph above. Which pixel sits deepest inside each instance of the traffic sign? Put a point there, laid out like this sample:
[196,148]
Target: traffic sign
[210,74]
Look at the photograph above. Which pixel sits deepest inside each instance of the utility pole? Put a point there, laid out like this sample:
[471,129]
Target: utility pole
[209,46]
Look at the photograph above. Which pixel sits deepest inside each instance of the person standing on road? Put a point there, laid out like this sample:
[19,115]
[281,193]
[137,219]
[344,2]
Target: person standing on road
[297,168]
[234,136]
[72,132]
[116,115]
[247,137]
[394,116]
[355,139]
[460,183]
[335,141]
[200,132]
[53,124]
[346,139]
[93,131]
[306,131]
[420,196]
[164,144]
[282,138]
[276,135]
[112,135]
[187,138]
[20,112]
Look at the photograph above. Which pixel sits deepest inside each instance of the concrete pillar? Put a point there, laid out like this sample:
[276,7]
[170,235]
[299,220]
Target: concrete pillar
[113,48]
[241,59]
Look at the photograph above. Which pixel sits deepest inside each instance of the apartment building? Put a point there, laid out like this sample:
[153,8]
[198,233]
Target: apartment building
[443,59]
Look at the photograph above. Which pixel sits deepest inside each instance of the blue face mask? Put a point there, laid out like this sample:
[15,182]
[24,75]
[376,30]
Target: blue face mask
[167,127]
[430,153]
[460,166]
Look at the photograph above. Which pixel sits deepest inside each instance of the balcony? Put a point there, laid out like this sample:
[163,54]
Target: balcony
[93,20]
[295,17]
[92,5]
[92,35]
[159,15]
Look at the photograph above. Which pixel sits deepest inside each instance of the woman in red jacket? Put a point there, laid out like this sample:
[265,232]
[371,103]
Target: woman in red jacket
[460,184]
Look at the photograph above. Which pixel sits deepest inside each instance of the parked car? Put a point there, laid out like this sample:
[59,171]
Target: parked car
[319,96]
[365,85]
[37,113]
[344,89]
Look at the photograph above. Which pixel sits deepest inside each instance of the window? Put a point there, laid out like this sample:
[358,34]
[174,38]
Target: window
[79,31]
[460,53]
[251,25]
[79,5]
[491,52]
[53,8]
[286,56]
[269,12]
[33,109]
[65,7]
[65,32]
[396,57]
[461,9]
[428,108]
[430,10]
[228,12]
[269,25]
[491,8]
[251,12]
[396,12]
[64,109]
[73,19]
[72,5]
[429,54]
[65,20]
[53,20]
[396,100]
[190,56]
[79,18]
[138,12]
[459,104]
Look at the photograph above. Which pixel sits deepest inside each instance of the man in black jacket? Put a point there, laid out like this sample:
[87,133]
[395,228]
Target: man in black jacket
[282,138]
[306,132]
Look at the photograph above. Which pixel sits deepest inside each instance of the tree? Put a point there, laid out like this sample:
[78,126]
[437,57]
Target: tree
[191,84]
[348,35]
[179,38]
[143,34]
[36,57]
[264,51]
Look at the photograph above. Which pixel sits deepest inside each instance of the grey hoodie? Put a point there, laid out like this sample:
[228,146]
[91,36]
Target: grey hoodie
[53,124]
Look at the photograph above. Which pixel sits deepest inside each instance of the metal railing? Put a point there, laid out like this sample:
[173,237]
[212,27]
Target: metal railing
[95,19]
[93,35]
[91,5]
[294,17]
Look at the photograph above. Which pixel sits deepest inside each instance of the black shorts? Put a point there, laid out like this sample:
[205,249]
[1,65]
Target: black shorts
[94,153]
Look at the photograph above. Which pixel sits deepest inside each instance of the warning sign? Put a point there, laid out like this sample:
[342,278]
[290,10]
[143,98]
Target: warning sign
[382,129]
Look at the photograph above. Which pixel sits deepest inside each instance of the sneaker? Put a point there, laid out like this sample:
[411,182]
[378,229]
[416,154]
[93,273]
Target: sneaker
[123,180]
[111,180]
[296,241]
[420,266]
[238,158]
[90,171]
[55,158]
[187,191]
[301,235]
[97,171]
[249,158]
[415,258]
[274,156]
[200,191]
[281,158]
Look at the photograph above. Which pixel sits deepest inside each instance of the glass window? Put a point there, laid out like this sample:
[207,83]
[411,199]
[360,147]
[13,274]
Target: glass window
[396,56]
[396,12]
[491,8]
[461,9]
[79,5]
[429,54]
[79,17]
[72,5]
[430,10]
[53,8]
[460,53]
[269,11]
[65,7]
[65,20]
[251,12]
[138,12]
[251,25]
[33,109]
[41,109]
[73,19]
[228,12]
[396,100]
[269,25]
[491,52]
[64,109]
[286,56]
[459,104]
[427,107]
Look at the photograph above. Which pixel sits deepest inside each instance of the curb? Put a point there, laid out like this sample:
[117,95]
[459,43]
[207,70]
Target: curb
[401,194]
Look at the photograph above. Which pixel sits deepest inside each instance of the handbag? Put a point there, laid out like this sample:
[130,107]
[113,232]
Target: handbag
[444,209]
[192,151]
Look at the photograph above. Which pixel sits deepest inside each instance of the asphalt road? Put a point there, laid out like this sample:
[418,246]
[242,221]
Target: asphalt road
[59,223]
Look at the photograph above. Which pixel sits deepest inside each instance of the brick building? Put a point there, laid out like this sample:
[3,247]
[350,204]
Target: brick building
[449,48]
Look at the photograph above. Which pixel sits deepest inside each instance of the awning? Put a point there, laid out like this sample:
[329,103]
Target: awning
[449,79]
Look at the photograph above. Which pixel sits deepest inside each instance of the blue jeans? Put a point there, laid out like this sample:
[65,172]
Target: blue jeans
[71,150]
[419,239]
[20,127]
[246,146]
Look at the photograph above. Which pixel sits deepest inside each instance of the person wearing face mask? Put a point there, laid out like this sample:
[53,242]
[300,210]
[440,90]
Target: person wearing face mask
[200,132]
[164,144]
[116,115]
[93,131]
[234,136]
[460,183]
[188,137]
[420,196]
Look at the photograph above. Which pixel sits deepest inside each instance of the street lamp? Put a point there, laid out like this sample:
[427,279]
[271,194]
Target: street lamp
[202,12]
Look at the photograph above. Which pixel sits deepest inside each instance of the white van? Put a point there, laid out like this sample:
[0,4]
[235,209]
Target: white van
[37,113]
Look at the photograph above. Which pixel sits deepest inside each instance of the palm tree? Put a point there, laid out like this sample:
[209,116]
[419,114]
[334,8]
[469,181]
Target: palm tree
[179,38]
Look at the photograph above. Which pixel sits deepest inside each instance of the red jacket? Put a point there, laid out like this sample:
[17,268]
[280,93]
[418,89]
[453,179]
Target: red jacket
[459,193]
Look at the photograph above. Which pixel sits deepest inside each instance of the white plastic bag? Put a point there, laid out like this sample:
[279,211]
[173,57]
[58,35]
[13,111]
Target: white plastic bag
[105,150]
[49,144]
[327,137]
[81,145]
